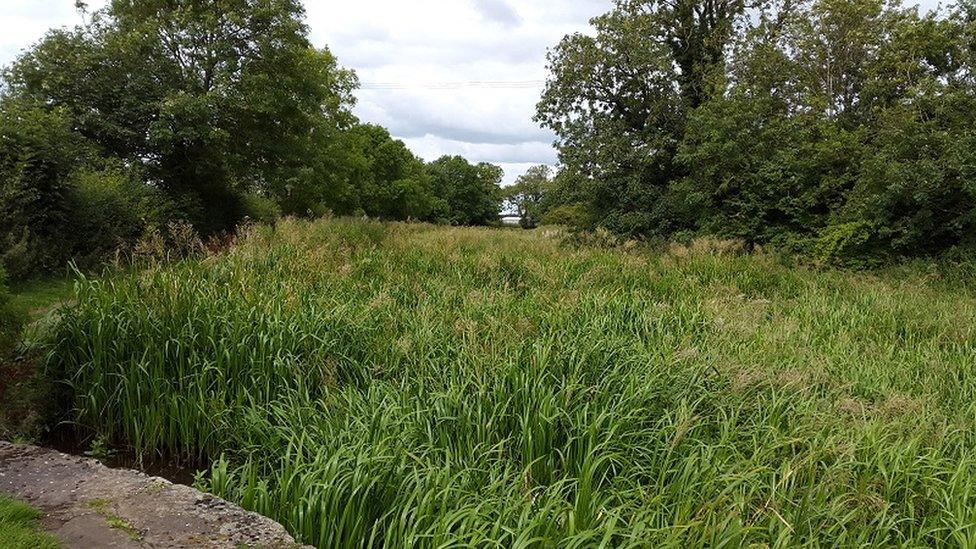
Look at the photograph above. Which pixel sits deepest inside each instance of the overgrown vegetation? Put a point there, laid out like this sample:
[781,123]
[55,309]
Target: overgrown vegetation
[412,386]
[25,407]
[199,112]
[408,385]
[841,129]
[19,527]
[836,129]
[11,322]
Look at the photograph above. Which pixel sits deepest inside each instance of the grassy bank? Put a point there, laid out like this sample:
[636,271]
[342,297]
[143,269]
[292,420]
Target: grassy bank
[19,528]
[24,396]
[36,298]
[396,385]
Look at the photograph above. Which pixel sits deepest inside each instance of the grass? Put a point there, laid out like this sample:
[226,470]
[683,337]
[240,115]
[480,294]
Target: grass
[37,297]
[19,527]
[23,395]
[410,386]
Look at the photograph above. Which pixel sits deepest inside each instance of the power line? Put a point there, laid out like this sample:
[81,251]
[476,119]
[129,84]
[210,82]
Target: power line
[473,84]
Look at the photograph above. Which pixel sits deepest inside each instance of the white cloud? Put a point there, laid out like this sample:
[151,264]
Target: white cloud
[498,11]
[24,22]
[424,42]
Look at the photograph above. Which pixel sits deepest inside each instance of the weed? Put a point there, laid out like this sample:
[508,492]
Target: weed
[119,523]
[156,486]
[103,508]
[100,448]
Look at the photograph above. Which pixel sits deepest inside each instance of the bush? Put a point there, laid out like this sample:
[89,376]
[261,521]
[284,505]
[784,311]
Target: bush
[110,210]
[260,208]
[869,155]
[38,152]
[846,244]
[24,253]
[570,215]
[916,182]
[757,174]
[59,202]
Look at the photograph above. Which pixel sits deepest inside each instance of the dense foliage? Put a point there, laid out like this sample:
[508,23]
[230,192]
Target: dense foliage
[841,128]
[210,99]
[413,386]
[390,182]
[205,112]
[527,198]
[469,194]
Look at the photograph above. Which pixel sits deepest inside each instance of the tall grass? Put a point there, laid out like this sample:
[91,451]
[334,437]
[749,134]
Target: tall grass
[378,385]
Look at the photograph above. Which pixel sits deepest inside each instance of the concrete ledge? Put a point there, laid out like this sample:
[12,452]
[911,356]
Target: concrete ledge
[89,505]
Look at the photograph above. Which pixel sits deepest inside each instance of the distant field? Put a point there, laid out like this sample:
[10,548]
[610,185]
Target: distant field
[411,386]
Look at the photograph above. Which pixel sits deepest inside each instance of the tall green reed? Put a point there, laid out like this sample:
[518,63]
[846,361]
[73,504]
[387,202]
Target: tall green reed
[410,386]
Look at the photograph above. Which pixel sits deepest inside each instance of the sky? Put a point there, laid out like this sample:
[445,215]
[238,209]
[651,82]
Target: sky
[445,76]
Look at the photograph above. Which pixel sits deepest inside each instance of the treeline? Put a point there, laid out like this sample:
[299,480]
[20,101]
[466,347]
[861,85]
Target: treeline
[843,129]
[205,113]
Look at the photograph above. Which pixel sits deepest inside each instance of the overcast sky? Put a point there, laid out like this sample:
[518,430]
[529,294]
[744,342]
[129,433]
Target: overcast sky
[405,51]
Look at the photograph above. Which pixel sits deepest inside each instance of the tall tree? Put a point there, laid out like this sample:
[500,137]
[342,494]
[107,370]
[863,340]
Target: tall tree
[469,194]
[618,101]
[697,34]
[390,181]
[213,98]
[842,132]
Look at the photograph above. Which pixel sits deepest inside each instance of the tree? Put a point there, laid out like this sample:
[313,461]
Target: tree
[213,99]
[11,320]
[59,200]
[528,196]
[697,34]
[834,127]
[390,182]
[842,131]
[468,194]
[38,152]
[618,101]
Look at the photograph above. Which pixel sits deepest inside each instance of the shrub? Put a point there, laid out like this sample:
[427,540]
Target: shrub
[570,215]
[260,208]
[24,253]
[758,175]
[846,244]
[916,182]
[38,152]
[59,202]
[178,240]
[111,210]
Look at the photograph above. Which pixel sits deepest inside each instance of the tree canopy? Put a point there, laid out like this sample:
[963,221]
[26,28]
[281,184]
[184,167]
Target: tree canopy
[469,194]
[529,195]
[832,127]
[209,112]
[211,99]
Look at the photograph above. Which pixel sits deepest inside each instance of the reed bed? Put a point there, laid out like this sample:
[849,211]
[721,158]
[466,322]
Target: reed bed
[385,385]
